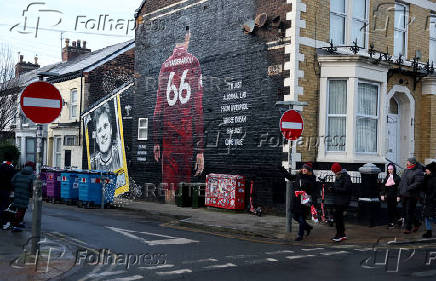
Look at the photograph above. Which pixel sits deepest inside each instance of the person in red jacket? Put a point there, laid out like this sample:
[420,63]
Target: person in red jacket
[178,117]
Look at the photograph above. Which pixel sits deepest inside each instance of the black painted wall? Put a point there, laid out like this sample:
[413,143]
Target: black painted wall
[232,62]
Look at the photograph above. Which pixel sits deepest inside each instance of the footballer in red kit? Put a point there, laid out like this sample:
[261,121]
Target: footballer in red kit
[178,117]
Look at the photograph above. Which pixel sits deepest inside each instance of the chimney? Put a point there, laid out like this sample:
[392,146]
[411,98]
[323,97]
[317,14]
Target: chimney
[22,66]
[73,51]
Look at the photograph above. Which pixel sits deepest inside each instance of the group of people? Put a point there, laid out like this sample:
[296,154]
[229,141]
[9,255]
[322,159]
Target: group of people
[416,183]
[15,191]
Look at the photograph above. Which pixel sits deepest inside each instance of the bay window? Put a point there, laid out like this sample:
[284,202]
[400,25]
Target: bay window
[367,118]
[337,115]
[352,106]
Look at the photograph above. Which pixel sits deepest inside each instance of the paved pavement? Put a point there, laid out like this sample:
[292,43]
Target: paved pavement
[265,227]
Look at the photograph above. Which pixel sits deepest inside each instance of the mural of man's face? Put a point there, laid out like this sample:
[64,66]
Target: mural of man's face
[104,133]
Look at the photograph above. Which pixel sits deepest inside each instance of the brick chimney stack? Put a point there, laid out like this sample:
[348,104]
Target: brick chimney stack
[22,66]
[71,52]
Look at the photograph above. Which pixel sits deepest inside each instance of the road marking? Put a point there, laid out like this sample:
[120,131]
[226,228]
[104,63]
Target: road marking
[312,249]
[334,253]
[364,249]
[130,278]
[221,265]
[279,252]
[106,273]
[180,271]
[157,266]
[299,257]
[173,241]
[202,260]
[261,261]
[241,256]
[344,246]
[169,241]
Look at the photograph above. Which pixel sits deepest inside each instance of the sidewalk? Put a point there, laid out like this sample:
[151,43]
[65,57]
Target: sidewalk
[265,228]
[17,264]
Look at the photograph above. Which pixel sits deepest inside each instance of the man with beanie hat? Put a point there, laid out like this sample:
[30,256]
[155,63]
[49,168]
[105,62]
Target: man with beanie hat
[411,182]
[342,193]
[430,198]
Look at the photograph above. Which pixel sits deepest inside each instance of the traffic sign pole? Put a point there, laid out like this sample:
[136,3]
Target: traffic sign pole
[290,135]
[41,102]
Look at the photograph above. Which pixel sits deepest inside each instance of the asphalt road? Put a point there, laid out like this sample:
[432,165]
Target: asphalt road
[150,250]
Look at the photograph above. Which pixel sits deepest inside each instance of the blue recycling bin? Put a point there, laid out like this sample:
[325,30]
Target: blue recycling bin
[70,186]
[91,184]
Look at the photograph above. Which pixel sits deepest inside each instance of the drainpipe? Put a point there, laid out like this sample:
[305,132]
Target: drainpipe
[80,109]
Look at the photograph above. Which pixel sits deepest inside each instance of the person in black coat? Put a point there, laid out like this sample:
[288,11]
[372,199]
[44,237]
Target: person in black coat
[390,194]
[410,186]
[304,180]
[7,171]
[341,193]
[430,198]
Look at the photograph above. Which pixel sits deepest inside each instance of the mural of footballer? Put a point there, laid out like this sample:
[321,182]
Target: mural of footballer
[178,117]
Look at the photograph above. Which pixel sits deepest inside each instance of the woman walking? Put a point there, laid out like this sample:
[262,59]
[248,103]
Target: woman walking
[390,193]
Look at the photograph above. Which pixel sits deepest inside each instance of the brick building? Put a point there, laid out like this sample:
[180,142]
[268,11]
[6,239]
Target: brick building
[229,62]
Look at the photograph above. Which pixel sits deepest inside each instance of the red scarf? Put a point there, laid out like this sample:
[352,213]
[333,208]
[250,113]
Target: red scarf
[411,166]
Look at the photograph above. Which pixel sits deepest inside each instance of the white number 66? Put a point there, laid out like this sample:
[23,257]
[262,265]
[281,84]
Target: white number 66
[178,93]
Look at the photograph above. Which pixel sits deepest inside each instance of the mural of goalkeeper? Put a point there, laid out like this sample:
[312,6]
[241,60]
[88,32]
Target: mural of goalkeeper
[178,133]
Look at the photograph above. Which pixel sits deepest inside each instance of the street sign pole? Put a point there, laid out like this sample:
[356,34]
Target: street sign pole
[37,185]
[291,165]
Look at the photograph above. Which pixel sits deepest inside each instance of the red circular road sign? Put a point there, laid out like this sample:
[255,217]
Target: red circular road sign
[41,102]
[291,125]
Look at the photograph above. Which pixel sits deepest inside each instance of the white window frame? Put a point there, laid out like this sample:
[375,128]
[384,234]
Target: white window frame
[27,148]
[432,39]
[73,113]
[55,152]
[405,30]
[335,115]
[143,128]
[377,117]
[349,19]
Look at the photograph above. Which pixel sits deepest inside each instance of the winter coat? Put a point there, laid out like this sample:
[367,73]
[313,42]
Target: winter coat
[7,171]
[430,196]
[305,183]
[22,183]
[391,191]
[341,189]
[411,182]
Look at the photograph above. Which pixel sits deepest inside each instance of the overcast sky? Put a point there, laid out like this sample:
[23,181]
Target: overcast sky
[78,19]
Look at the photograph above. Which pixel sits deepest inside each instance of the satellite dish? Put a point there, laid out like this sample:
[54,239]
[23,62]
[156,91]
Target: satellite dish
[249,26]
[261,19]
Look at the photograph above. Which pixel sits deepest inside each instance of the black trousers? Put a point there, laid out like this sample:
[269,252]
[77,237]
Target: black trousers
[391,201]
[409,207]
[339,220]
[303,225]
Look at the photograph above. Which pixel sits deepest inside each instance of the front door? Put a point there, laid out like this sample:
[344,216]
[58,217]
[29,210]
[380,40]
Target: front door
[393,149]
[67,158]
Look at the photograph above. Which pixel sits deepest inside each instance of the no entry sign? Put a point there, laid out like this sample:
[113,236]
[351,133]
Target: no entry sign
[41,102]
[291,125]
